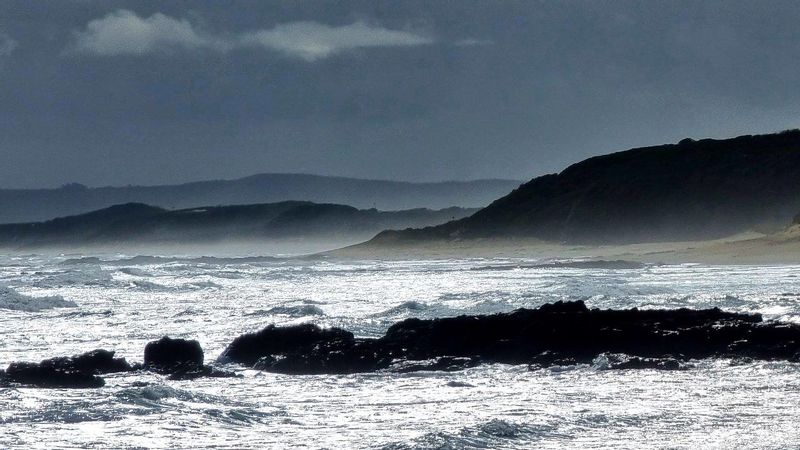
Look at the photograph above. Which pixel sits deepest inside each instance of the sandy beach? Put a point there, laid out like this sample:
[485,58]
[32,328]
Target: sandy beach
[745,248]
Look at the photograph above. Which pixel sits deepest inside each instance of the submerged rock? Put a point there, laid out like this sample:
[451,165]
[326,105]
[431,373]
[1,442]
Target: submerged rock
[79,371]
[558,333]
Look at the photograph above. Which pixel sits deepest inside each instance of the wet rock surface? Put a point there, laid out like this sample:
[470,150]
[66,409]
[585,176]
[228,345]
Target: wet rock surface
[306,349]
[79,371]
[181,359]
[561,333]
[167,353]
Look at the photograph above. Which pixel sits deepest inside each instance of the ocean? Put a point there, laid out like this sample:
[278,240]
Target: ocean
[57,305]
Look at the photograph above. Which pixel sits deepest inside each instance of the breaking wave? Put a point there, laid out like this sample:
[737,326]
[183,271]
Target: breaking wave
[204,285]
[495,433]
[134,271]
[291,311]
[403,308]
[13,300]
[72,277]
[152,396]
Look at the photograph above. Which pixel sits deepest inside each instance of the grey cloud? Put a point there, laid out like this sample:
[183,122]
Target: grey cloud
[7,45]
[125,33]
[310,40]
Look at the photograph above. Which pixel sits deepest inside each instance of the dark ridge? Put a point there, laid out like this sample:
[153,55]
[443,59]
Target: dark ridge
[692,190]
[28,205]
[136,222]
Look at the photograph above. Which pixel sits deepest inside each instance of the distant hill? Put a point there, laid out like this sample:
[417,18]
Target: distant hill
[140,223]
[687,191]
[28,205]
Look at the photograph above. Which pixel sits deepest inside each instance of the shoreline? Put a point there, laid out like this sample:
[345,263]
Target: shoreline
[742,249]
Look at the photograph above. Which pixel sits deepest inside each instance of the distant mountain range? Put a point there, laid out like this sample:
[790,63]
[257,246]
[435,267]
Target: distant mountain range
[27,205]
[140,223]
[687,191]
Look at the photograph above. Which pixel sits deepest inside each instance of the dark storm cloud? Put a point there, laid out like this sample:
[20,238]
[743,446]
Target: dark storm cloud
[121,92]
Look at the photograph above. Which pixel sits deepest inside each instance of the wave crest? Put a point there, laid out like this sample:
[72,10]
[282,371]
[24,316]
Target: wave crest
[496,433]
[13,300]
[291,311]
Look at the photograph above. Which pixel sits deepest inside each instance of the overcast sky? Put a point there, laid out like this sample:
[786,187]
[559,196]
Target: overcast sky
[137,92]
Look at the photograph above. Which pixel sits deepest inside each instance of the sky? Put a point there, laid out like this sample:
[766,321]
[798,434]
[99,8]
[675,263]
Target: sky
[151,92]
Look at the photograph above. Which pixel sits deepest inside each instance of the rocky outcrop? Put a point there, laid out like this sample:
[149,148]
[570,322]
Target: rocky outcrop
[181,359]
[559,333]
[79,371]
[167,353]
[305,349]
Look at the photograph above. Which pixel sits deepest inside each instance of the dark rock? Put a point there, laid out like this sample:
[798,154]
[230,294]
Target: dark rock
[305,349]
[181,359]
[67,372]
[562,333]
[272,340]
[97,361]
[44,376]
[168,355]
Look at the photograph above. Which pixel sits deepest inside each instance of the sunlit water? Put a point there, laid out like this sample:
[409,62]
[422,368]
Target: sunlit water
[62,307]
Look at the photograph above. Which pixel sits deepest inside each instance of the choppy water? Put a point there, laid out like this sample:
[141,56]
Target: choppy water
[63,305]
